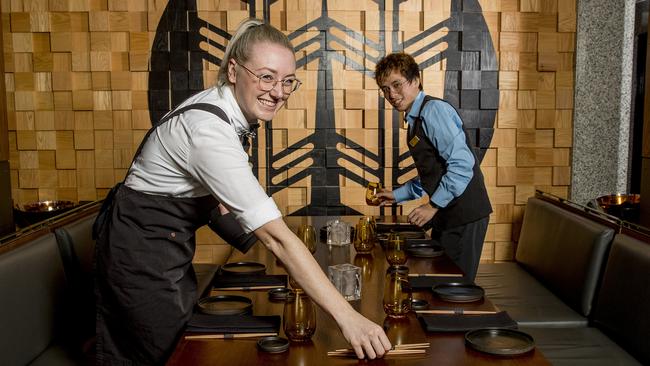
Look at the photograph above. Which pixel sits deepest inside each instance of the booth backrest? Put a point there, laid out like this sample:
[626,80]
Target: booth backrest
[30,312]
[78,251]
[623,302]
[76,242]
[564,251]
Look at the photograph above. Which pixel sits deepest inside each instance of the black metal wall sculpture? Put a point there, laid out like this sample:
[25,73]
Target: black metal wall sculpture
[471,85]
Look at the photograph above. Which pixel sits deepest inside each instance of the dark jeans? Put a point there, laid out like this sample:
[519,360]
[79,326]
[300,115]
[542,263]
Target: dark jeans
[463,244]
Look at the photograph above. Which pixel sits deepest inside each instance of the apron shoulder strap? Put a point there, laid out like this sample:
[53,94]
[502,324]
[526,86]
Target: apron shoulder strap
[210,108]
[417,124]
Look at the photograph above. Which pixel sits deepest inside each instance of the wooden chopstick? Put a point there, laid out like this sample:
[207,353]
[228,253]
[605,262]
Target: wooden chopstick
[396,352]
[245,288]
[435,275]
[395,347]
[229,336]
[456,311]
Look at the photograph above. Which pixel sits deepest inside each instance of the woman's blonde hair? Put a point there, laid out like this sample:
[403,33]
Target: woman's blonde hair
[249,32]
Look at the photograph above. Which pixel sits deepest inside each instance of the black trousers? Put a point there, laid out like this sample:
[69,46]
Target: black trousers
[464,244]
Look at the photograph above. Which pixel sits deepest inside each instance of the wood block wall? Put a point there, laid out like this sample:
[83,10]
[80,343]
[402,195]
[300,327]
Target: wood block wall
[78,77]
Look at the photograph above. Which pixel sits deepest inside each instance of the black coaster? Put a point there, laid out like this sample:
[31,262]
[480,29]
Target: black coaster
[273,344]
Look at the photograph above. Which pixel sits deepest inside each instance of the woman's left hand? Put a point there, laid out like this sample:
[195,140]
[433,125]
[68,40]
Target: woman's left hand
[421,215]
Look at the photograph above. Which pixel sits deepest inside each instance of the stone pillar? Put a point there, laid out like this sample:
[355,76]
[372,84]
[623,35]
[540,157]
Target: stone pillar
[6,210]
[603,88]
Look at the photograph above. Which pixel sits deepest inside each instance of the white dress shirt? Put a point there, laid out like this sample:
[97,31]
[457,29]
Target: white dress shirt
[196,154]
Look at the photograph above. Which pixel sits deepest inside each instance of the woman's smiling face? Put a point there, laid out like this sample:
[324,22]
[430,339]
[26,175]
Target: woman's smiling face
[265,59]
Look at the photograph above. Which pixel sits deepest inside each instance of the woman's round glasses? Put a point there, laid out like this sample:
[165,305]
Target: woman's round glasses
[267,82]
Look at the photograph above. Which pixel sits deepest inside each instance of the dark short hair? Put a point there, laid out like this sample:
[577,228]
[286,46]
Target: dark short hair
[398,61]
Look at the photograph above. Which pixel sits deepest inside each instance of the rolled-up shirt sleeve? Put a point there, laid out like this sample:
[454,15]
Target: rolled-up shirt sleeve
[219,162]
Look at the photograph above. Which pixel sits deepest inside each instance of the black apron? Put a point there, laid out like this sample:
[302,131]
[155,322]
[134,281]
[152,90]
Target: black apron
[145,284]
[473,204]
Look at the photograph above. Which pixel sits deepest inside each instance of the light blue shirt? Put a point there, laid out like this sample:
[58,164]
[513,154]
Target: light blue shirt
[443,127]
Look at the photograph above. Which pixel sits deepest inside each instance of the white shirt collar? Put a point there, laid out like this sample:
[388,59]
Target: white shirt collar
[237,118]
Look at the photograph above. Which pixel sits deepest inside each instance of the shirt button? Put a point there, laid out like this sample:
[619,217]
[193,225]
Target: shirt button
[173,235]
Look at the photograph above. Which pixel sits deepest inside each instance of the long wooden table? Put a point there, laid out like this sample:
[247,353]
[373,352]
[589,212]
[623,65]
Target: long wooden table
[446,348]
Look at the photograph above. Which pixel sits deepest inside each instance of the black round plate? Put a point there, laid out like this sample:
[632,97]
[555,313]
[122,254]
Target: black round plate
[458,292]
[500,341]
[225,305]
[273,344]
[425,251]
[243,268]
[279,294]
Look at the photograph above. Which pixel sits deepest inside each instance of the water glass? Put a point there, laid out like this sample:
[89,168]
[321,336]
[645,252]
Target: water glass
[299,319]
[365,262]
[307,234]
[364,237]
[395,251]
[338,232]
[371,193]
[347,280]
[397,292]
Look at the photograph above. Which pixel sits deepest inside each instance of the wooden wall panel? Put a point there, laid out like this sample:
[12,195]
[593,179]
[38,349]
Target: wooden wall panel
[77,77]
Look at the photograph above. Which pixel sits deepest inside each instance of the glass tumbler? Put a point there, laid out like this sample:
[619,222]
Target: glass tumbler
[395,251]
[338,232]
[371,193]
[397,292]
[364,237]
[299,318]
[307,234]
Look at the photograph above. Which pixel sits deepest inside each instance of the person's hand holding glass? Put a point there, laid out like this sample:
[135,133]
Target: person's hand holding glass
[376,195]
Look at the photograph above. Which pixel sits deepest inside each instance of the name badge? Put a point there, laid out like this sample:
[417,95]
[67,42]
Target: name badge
[414,141]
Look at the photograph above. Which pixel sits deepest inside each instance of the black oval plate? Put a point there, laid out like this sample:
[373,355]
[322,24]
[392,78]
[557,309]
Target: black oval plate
[458,292]
[500,341]
[225,305]
[240,268]
[425,251]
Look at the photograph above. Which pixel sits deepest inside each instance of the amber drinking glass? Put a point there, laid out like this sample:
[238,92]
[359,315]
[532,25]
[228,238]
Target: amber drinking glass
[364,261]
[364,237]
[307,234]
[371,193]
[299,319]
[397,292]
[395,251]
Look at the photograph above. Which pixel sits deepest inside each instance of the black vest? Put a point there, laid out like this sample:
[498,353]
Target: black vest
[473,204]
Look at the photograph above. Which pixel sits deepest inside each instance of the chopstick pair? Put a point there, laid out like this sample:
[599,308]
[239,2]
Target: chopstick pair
[245,288]
[397,350]
[456,312]
[229,336]
[435,275]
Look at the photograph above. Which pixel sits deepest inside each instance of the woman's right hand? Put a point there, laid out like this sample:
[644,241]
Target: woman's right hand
[385,197]
[368,340]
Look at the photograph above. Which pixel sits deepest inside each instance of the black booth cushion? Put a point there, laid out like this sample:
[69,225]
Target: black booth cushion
[623,302]
[32,284]
[564,251]
[509,287]
[585,346]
